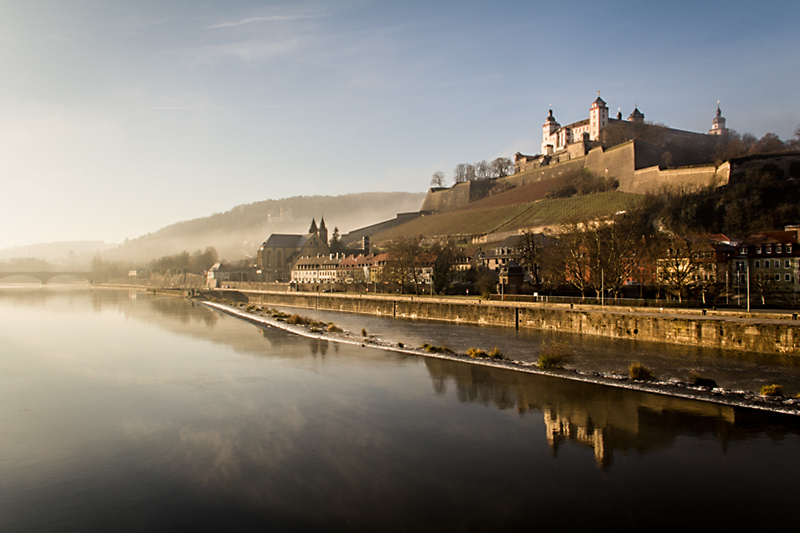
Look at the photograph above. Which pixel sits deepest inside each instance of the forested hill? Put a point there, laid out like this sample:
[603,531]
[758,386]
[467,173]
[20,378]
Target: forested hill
[238,233]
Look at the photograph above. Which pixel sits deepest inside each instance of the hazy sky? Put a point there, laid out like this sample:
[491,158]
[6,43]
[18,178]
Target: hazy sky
[119,117]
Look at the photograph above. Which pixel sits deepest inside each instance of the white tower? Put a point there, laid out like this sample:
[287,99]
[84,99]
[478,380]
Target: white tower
[598,118]
[718,123]
[549,128]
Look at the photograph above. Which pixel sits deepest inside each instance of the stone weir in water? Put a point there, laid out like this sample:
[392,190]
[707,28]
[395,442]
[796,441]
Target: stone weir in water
[736,398]
[772,333]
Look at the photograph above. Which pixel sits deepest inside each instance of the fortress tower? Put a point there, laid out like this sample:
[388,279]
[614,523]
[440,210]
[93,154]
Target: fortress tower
[598,118]
[718,123]
[549,128]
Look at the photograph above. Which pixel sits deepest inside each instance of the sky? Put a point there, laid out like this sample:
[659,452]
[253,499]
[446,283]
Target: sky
[118,118]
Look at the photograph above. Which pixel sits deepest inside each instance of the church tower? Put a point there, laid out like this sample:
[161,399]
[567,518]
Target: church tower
[598,118]
[313,229]
[323,231]
[718,123]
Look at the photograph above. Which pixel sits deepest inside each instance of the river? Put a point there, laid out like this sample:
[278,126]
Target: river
[131,412]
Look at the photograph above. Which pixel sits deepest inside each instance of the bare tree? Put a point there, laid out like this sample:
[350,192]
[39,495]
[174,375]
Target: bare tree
[679,263]
[530,249]
[483,170]
[769,143]
[502,167]
[404,262]
[601,255]
[460,173]
[437,180]
[469,171]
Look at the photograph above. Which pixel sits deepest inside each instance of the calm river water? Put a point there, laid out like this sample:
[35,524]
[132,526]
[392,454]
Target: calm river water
[126,412]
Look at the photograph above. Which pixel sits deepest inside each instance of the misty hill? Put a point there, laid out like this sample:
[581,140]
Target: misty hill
[239,232]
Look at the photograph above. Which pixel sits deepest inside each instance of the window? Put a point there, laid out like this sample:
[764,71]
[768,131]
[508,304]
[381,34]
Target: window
[787,277]
[788,248]
[787,264]
[778,249]
[777,277]
[769,249]
[758,249]
[766,263]
[758,264]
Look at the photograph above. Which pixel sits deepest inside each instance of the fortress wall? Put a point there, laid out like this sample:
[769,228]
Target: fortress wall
[446,199]
[441,200]
[677,179]
[617,162]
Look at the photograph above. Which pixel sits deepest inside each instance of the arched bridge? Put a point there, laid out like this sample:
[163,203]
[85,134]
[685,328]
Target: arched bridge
[44,277]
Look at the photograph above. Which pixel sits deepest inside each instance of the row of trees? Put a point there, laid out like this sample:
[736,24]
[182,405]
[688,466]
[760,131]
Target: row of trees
[185,262]
[587,256]
[482,170]
[697,149]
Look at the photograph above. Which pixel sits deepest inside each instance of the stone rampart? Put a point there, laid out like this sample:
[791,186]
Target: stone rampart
[634,164]
[729,332]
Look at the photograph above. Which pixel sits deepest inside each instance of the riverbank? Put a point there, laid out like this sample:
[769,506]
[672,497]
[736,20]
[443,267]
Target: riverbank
[717,395]
[764,333]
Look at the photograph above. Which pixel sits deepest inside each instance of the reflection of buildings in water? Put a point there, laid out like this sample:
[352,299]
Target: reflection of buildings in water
[559,429]
[598,416]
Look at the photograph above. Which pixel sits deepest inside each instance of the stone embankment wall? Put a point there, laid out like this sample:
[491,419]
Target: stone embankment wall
[773,334]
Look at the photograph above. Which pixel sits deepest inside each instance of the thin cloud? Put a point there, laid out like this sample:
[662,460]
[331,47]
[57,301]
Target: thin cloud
[250,20]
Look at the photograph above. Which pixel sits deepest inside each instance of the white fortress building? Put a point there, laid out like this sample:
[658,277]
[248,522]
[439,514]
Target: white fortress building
[560,143]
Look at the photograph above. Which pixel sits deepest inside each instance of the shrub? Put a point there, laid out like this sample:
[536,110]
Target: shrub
[363,332]
[640,372]
[700,381]
[772,390]
[400,345]
[333,328]
[475,352]
[297,319]
[436,349]
[495,353]
[553,355]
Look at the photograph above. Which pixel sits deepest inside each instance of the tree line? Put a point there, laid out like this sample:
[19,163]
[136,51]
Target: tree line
[482,170]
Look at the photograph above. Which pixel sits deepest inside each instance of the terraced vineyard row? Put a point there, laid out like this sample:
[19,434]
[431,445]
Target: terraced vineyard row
[510,218]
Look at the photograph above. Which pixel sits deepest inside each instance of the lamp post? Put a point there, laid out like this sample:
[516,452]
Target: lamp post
[747,266]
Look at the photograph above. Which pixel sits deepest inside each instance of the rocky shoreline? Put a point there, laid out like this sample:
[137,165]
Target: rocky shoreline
[730,397]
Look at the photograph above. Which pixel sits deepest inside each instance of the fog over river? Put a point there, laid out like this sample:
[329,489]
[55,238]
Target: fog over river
[132,412]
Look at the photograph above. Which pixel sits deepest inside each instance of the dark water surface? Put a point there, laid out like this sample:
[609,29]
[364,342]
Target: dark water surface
[126,412]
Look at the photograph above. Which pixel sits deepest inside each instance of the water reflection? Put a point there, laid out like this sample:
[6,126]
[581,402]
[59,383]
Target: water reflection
[602,418]
[135,415]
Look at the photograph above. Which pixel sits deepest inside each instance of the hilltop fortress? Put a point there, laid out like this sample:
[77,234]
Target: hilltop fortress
[642,157]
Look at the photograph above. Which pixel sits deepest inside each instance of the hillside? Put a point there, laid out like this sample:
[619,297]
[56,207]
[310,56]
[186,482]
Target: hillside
[475,220]
[239,232]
